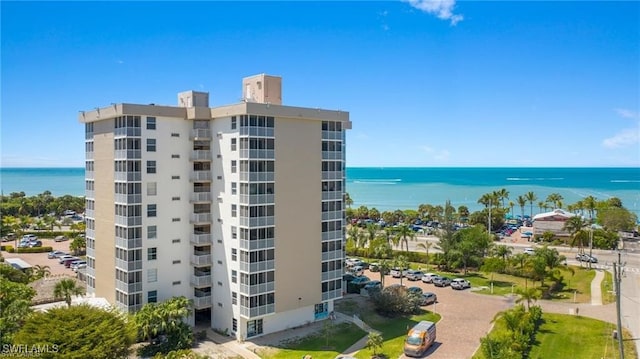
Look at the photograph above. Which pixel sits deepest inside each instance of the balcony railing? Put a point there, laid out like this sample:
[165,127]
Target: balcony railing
[129,288]
[127,131]
[90,193]
[332,155]
[332,175]
[201,281]
[201,176]
[326,256]
[257,198]
[257,131]
[201,260]
[90,233]
[200,134]
[257,267]
[201,155]
[331,235]
[88,174]
[128,243]
[200,217]
[128,176]
[201,197]
[89,213]
[202,302]
[258,311]
[266,154]
[128,221]
[332,135]
[128,265]
[334,294]
[128,198]
[333,215]
[127,154]
[257,289]
[88,155]
[332,275]
[331,195]
[256,244]
[257,221]
[257,176]
[201,238]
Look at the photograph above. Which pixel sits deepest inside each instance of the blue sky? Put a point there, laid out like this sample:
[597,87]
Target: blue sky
[427,83]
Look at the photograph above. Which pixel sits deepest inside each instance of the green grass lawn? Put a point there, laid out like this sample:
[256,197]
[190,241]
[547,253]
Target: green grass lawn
[394,330]
[569,336]
[340,338]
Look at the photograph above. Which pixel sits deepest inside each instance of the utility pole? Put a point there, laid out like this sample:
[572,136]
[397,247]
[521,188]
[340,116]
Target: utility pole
[617,277]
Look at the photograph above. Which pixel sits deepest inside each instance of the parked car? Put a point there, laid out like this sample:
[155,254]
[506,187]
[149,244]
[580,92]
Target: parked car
[583,257]
[441,281]
[36,243]
[357,271]
[29,237]
[529,251]
[460,283]
[63,258]
[374,267]
[352,262]
[79,266]
[414,274]
[428,298]
[415,290]
[74,265]
[360,280]
[60,239]
[428,277]
[397,272]
[373,285]
[55,254]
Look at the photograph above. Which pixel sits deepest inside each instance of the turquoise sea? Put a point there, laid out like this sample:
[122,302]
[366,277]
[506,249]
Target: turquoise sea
[402,188]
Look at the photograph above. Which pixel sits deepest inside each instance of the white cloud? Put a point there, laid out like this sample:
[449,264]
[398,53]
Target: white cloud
[626,137]
[443,9]
[627,113]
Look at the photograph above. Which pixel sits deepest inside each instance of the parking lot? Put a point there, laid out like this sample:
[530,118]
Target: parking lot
[41,258]
[466,317]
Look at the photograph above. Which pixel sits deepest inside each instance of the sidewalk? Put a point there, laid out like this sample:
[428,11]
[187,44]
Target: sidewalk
[360,344]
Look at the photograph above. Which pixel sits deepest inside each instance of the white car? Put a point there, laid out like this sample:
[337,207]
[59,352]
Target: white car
[397,273]
[529,251]
[414,274]
[460,283]
[428,277]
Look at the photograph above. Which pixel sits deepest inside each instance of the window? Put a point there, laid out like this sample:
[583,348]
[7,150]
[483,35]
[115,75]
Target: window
[151,123]
[175,177]
[234,254]
[152,232]
[174,134]
[234,298]
[175,219]
[152,254]
[151,166]
[234,325]
[175,156]
[234,232]
[219,284]
[234,166]
[177,261]
[234,144]
[234,276]
[151,145]
[234,122]
[152,275]
[175,198]
[254,327]
[176,282]
[175,240]
[151,210]
[152,188]
[152,296]
[234,188]
[234,210]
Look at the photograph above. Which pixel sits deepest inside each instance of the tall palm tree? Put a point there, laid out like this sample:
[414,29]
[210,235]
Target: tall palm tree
[531,197]
[511,205]
[529,295]
[426,245]
[67,288]
[541,206]
[555,199]
[347,200]
[590,204]
[502,195]
[575,226]
[503,252]
[404,233]
[522,201]
[401,263]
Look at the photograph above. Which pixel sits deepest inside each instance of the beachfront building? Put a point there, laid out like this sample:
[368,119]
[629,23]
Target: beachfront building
[238,207]
[553,221]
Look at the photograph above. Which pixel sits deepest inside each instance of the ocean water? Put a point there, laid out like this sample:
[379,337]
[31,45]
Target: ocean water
[33,181]
[407,188]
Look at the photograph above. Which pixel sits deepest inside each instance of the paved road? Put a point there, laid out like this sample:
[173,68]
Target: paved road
[630,306]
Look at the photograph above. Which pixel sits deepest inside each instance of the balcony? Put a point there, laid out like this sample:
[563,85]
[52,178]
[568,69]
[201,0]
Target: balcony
[257,198]
[333,215]
[88,155]
[90,213]
[129,288]
[200,134]
[201,155]
[257,176]
[257,154]
[256,131]
[128,221]
[332,135]
[201,176]
[258,311]
[127,154]
[334,294]
[257,221]
[257,289]
[128,176]
[128,243]
[256,244]
[327,256]
[90,193]
[202,302]
[331,195]
[200,217]
[90,233]
[331,235]
[201,197]
[332,275]
[204,238]
[128,198]
[332,175]
[332,155]
[127,131]
[201,259]
[201,281]
[257,267]
[88,175]
[128,265]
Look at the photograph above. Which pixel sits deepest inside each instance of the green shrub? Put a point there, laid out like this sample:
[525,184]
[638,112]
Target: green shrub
[51,234]
[8,249]
[34,250]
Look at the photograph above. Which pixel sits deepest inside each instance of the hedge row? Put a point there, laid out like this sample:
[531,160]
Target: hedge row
[414,257]
[51,234]
[10,249]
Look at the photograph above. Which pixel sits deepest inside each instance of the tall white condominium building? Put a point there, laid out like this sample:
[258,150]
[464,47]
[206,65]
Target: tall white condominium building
[238,207]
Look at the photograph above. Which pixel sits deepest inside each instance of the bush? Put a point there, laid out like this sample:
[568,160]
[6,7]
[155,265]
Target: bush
[33,250]
[51,234]
[9,249]
[396,300]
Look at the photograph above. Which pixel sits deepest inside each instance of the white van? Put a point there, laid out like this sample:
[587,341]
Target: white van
[419,339]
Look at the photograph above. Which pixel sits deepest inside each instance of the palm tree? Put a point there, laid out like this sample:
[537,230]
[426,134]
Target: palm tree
[522,201]
[402,264]
[531,197]
[575,226]
[347,200]
[67,288]
[529,295]
[503,252]
[511,205]
[40,271]
[404,232]
[541,206]
[590,204]
[426,245]
[555,199]
[78,245]
[502,195]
